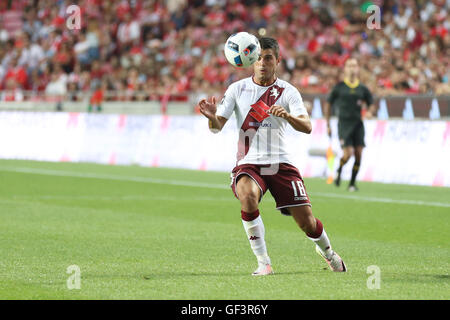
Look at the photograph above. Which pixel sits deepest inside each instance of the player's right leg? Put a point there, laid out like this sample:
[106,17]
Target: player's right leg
[249,194]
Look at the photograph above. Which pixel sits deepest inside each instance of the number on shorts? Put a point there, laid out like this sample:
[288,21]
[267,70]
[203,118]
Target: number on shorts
[301,189]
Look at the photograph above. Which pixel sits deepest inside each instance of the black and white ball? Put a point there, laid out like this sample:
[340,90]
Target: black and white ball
[242,49]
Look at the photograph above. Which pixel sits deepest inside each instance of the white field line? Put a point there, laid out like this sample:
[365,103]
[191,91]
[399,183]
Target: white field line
[61,173]
[120,198]
[186,183]
[382,200]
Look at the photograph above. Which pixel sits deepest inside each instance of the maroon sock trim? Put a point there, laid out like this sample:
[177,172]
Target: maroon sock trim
[249,216]
[318,232]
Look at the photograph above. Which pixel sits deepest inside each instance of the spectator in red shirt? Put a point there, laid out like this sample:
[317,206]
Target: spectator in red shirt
[65,56]
[12,91]
[17,73]
[96,100]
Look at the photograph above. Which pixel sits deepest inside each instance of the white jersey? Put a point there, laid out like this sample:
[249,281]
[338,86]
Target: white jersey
[261,136]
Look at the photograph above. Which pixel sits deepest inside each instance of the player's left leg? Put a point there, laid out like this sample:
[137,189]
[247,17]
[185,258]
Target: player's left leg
[348,152]
[345,133]
[358,155]
[315,231]
[289,191]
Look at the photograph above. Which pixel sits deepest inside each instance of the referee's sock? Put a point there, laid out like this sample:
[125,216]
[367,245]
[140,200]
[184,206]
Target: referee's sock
[355,170]
[341,164]
[339,170]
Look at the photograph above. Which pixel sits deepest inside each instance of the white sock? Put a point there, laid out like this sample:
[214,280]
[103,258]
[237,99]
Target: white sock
[255,234]
[324,244]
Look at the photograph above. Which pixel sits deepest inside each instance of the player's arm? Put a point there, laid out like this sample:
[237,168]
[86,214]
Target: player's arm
[300,123]
[327,113]
[371,111]
[209,109]
[297,116]
[327,107]
[216,124]
[371,107]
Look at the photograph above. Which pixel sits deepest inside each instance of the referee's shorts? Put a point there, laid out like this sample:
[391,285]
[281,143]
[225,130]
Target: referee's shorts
[351,134]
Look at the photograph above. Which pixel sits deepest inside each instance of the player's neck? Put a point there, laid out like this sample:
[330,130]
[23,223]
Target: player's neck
[265,82]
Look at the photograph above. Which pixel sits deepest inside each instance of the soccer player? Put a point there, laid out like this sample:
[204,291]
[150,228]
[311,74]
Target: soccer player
[264,105]
[350,98]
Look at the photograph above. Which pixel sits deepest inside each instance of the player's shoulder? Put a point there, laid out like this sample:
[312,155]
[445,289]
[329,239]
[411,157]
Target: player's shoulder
[285,84]
[364,87]
[339,84]
[240,84]
[288,87]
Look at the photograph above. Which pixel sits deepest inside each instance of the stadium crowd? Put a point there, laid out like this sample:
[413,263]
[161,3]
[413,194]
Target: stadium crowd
[155,49]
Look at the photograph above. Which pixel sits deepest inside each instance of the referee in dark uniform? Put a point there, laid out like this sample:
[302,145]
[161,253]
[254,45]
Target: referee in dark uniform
[349,97]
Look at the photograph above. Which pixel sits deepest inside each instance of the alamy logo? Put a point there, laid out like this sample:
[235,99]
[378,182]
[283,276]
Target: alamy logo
[74,280]
[374,21]
[374,280]
[74,20]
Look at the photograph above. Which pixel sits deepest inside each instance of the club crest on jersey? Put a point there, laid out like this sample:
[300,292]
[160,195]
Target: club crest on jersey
[274,92]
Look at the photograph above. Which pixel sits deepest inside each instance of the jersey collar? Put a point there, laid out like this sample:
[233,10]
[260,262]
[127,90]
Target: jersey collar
[350,84]
[264,86]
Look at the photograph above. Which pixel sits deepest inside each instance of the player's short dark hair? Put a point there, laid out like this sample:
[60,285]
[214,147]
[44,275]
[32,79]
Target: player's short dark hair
[270,43]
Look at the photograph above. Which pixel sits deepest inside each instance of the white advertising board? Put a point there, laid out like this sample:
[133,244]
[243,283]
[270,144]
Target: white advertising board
[398,151]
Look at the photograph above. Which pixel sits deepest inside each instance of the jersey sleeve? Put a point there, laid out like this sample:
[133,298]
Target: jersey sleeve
[368,96]
[295,102]
[333,95]
[227,104]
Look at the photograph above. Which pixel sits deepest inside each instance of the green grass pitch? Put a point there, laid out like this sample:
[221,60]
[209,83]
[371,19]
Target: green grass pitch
[152,233]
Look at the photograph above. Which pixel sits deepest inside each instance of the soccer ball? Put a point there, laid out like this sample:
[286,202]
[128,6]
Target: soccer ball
[242,49]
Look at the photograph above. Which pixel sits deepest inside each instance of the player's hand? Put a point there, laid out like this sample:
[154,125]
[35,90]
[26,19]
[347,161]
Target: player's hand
[208,108]
[278,111]
[368,115]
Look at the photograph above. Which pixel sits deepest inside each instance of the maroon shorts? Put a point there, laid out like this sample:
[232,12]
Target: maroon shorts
[286,185]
